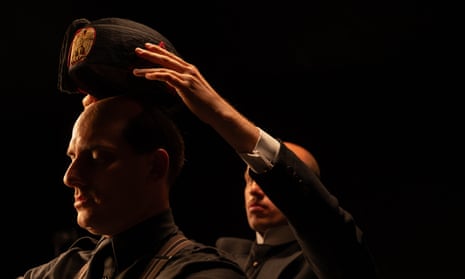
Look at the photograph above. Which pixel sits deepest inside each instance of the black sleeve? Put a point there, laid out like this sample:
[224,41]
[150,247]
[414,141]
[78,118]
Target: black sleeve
[330,239]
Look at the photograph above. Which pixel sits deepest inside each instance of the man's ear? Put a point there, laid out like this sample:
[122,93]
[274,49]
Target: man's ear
[160,161]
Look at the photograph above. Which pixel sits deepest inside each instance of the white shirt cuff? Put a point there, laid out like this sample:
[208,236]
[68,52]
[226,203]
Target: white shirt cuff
[264,154]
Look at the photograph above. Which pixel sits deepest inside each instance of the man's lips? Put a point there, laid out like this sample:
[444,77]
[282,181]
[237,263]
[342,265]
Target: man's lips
[80,201]
[256,207]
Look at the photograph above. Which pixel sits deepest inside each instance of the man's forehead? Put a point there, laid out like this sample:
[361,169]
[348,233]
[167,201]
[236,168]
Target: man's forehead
[104,117]
[114,107]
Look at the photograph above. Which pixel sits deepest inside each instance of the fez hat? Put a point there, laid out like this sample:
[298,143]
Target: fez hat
[97,58]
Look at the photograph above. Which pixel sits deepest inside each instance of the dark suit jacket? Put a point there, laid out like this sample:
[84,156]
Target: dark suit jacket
[328,243]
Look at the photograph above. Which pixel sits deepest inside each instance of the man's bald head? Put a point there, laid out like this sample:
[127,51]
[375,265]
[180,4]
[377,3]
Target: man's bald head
[304,155]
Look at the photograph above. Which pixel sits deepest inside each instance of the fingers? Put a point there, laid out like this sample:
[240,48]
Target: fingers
[162,57]
[174,71]
[158,49]
[180,81]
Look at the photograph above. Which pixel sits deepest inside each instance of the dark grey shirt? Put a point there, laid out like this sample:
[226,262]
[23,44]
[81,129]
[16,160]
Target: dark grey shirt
[129,254]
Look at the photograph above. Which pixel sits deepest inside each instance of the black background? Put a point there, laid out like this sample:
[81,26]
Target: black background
[371,87]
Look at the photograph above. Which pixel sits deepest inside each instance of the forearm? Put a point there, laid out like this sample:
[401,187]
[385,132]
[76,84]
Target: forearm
[238,131]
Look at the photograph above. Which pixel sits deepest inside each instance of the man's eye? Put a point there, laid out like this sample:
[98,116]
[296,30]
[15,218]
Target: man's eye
[100,157]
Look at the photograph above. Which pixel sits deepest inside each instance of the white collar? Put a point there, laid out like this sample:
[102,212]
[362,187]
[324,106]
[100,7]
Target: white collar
[276,236]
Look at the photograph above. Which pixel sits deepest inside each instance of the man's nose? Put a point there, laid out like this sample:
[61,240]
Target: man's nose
[73,176]
[255,189]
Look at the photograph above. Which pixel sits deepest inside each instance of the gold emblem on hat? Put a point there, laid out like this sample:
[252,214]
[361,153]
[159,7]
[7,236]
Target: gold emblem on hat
[82,44]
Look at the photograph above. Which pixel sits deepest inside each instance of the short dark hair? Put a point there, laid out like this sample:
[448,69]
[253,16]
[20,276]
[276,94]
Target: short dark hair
[153,128]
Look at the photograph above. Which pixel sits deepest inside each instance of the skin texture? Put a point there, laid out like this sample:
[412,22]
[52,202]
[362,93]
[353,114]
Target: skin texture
[262,213]
[114,186]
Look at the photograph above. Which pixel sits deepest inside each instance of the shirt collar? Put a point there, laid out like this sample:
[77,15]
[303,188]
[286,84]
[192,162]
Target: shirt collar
[144,238]
[276,236]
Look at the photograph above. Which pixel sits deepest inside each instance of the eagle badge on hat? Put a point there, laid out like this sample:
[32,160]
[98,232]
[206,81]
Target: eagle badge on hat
[81,45]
